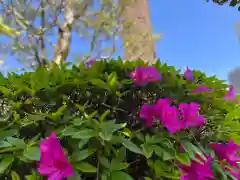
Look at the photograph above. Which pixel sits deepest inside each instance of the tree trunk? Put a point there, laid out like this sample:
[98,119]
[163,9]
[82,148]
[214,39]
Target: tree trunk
[64,34]
[137,32]
[233,77]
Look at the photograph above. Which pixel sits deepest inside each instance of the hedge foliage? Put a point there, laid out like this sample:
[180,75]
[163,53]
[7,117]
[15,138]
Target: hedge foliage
[95,112]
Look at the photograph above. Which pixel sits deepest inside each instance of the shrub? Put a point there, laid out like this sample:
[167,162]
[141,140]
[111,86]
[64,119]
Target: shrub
[117,123]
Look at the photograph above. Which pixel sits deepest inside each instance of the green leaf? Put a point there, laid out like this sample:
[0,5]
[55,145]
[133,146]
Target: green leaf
[16,142]
[83,154]
[104,115]
[75,177]
[147,150]
[183,158]
[15,176]
[162,170]
[112,80]
[132,147]
[119,175]
[233,3]
[5,144]
[33,176]
[116,165]
[80,107]
[85,134]
[69,131]
[5,134]
[110,126]
[5,163]
[104,177]
[192,149]
[78,121]
[100,83]
[168,154]
[32,153]
[147,178]
[59,112]
[82,143]
[5,91]
[105,162]
[85,167]
[121,154]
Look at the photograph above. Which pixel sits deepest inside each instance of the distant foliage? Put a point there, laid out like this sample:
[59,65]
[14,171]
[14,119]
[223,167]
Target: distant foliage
[118,120]
[232,3]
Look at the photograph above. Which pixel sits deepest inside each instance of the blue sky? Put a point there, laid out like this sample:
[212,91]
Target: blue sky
[195,33]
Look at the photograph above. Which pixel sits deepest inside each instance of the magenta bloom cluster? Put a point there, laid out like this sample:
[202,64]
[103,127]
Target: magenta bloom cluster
[172,117]
[55,165]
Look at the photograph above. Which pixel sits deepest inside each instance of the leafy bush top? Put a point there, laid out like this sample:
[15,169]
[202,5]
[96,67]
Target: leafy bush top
[98,115]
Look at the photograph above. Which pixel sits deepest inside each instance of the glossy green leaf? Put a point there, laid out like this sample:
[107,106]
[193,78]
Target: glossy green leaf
[104,162]
[83,154]
[15,176]
[5,144]
[75,177]
[119,175]
[5,134]
[132,147]
[5,163]
[117,165]
[32,153]
[86,167]
[85,134]
[183,158]
[16,142]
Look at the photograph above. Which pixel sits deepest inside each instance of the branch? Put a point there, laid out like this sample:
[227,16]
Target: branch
[64,34]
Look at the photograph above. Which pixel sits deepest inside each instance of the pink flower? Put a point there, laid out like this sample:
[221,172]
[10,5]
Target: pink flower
[90,62]
[144,75]
[53,162]
[234,172]
[197,171]
[190,114]
[201,89]
[188,75]
[164,101]
[170,119]
[181,148]
[231,94]
[228,152]
[151,112]
[147,114]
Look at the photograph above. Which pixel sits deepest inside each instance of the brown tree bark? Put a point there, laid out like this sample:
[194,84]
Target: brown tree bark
[137,32]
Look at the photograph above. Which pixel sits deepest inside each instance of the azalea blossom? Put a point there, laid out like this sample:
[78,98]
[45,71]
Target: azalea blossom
[151,112]
[190,114]
[228,152]
[231,94]
[170,119]
[169,116]
[188,75]
[144,75]
[147,113]
[90,62]
[164,101]
[181,148]
[202,89]
[53,162]
[197,170]
[234,172]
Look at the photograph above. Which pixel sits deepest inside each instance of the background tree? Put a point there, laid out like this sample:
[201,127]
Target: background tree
[47,26]
[233,77]
[137,32]
[232,3]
